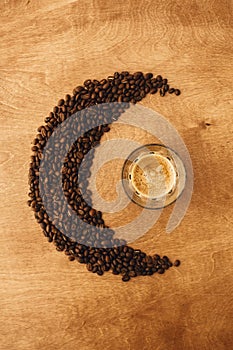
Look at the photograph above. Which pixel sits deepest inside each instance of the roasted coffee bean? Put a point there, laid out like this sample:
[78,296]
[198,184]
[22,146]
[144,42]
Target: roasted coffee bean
[171,91]
[132,274]
[125,278]
[92,212]
[89,267]
[159,78]
[177,92]
[153,90]
[176,263]
[61,102]
[87,82]
[85,96]
[162,92]
[138,75]
[94,269]
[148,76]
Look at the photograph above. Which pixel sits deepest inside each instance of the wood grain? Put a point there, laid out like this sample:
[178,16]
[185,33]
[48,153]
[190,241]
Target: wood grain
[49,47]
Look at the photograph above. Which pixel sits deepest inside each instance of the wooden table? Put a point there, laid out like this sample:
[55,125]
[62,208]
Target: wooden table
[47,48]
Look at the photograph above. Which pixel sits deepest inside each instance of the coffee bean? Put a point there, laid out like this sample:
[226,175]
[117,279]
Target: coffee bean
[148,76]
[80,155]
[61,102]
[138,75]
[87,82]
[94,269]
[92,212]
[162,92]
[171,91]
[153,90]
[85,96]
[176,263]
[125,278]
[132,274]
[159,78]
[177,92]
[89,267]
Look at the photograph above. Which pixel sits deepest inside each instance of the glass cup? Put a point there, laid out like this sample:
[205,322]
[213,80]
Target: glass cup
[153,176]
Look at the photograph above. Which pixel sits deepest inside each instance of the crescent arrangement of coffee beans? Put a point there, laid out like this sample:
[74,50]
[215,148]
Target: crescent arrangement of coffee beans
[94,243]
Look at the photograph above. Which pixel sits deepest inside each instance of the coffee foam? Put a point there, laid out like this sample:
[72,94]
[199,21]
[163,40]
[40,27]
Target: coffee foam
[153,176]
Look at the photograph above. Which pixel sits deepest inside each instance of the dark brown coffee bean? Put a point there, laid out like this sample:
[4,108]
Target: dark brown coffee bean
[153,90]
[80,155]
[132,274]
[138,75]
[87,82]
[106,85]
[94,269]
[114,89]
[177,92]
[171,91]
[34,148]
[148,76]
[159,78]
[162,92]
[142,94]
[85,96]
[61,102]
[125,278]
[92,212]
[164,266]
[176,263]
[103,81]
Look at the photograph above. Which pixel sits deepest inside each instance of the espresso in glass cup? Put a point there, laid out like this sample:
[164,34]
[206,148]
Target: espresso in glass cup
[153,176]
